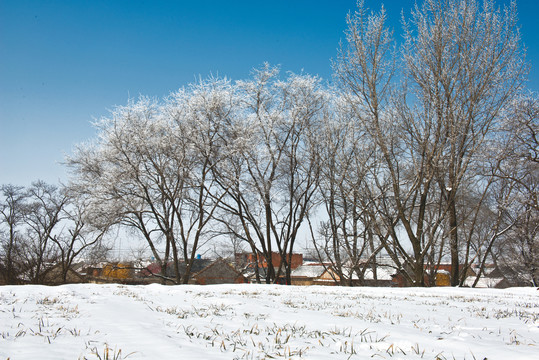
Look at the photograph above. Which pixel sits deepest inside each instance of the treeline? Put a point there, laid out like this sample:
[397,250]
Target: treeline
[424,151]
[43,227]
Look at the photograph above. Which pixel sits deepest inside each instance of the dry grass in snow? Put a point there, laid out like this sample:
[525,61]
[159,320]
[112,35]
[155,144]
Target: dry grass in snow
[266,322]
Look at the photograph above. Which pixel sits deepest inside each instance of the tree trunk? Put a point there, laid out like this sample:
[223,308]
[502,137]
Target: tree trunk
[453,240]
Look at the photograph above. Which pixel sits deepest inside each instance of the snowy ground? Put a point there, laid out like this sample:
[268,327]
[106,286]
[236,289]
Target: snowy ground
[266,322]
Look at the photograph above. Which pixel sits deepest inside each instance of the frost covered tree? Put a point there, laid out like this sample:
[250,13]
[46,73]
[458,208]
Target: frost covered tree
[120,172]
[394,156]
[519,252]
[205,111]
[150,170]
[401,176]
[272,179]
[463,63]
[346,239]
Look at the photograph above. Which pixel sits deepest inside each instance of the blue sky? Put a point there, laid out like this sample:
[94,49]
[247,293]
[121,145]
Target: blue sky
[65,63]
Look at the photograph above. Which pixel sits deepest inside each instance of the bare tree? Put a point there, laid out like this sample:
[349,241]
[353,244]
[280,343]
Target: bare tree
[272,181]
[42,219]
[519,253]
[43,229]
[205,111]
[81,234]
[402,175]
[346,239]
[466,63]
[150,169]
[122,171]
[12,210]
[462,64]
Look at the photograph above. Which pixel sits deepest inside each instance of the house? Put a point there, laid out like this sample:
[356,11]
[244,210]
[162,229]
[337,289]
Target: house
[153,272]
[118,271]
[112,272]
[250,274]
[443,278]
[250,260]
[368,271]
[437,275]
[487,282]
[492,277]
[75,275]
[314,274]
[440,275]
[383,276]
[218,272]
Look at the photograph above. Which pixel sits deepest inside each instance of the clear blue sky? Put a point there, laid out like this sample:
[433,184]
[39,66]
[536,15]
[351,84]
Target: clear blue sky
[64,63]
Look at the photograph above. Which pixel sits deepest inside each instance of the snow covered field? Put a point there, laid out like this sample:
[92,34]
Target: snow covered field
[265,322]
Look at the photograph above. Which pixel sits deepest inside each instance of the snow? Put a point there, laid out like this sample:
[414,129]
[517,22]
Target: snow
[263,321]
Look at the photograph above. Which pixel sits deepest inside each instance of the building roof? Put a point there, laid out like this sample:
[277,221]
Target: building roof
[197,265]
[308,271]
[382,273]
[216,263]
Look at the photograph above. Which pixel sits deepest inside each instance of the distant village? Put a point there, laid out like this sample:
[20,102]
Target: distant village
[241,269]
